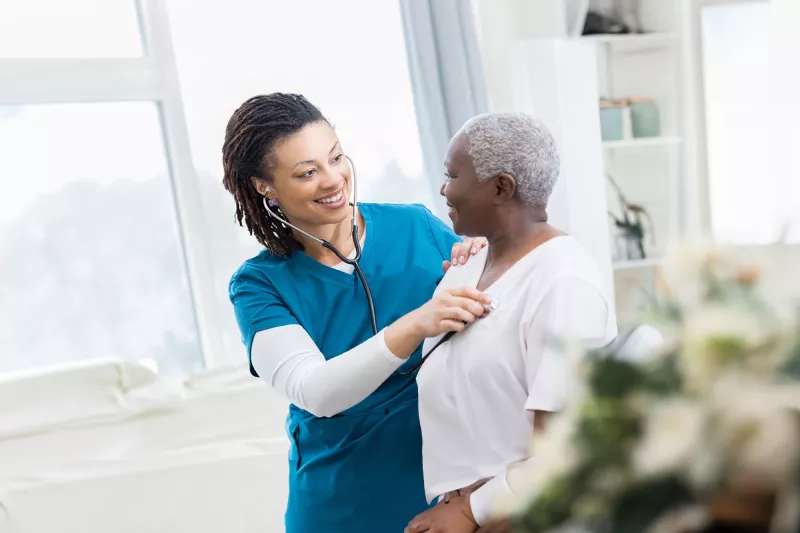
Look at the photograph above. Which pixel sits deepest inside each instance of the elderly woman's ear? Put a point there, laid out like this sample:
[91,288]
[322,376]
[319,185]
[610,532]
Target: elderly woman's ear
[505,188]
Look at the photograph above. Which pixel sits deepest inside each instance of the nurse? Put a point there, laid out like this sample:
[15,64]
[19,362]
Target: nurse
[355,461]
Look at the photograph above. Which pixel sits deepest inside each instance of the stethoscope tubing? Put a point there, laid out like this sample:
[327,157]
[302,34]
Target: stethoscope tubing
[352,261]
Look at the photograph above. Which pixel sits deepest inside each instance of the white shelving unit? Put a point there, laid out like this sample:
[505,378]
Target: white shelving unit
[649,171]
[634,42]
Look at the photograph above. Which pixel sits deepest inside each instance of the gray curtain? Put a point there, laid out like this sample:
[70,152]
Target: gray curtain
[446,75]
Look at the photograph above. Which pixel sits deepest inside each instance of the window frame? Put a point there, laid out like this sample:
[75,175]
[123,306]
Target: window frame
[154,78]
[697,92]
[151,78]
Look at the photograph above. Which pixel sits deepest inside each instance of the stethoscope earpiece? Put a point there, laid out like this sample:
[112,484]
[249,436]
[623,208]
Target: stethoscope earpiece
[347,260]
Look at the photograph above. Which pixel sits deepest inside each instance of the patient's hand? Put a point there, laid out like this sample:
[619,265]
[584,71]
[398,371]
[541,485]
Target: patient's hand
[453,517]
[463,250]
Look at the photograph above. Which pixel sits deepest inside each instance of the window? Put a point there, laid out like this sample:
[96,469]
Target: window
[89,254]
[97,193]
[348,57]
[116,235]
[752,194]
[74,28]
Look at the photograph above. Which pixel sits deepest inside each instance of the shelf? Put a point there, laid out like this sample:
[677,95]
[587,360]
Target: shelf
[634,41]
[638,263]
[645,142]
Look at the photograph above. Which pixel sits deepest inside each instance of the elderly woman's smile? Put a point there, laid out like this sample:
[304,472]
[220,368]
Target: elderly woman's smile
[468,198]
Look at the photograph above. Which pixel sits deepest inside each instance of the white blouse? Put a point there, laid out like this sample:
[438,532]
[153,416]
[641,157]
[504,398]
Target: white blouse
[479,390]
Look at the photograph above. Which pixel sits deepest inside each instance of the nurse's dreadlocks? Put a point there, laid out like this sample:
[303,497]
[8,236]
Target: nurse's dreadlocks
[252,133]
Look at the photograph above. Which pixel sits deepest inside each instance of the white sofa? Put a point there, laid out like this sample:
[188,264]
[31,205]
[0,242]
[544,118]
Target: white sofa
[109,446]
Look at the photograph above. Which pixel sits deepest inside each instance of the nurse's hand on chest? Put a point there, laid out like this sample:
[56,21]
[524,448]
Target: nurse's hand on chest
[463,250]
[451,310]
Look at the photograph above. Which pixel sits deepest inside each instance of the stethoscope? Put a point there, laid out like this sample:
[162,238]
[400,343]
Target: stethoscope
[353,261]
[490,308]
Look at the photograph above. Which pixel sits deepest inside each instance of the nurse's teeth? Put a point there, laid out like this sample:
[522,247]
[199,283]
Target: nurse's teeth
[331,200]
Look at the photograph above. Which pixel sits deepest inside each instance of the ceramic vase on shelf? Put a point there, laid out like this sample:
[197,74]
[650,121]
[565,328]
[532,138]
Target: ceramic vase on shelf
[629,118]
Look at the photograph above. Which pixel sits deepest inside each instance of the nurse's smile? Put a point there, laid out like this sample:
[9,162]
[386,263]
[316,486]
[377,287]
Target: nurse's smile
[334,200]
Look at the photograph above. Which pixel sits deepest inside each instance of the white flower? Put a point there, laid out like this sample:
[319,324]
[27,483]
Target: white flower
[759,428]
[553,455]
[684,520]
[724,321]
[737,426]
[786,517]
[571,528]
[718,336]
[769,270]
[683,270]
[644,344]
[776,267]
[674,431]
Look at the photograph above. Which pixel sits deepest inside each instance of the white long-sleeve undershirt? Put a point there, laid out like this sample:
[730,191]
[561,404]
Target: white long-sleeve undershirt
[287,359]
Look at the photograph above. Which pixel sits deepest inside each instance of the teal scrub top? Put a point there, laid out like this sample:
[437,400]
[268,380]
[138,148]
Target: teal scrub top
[361,470]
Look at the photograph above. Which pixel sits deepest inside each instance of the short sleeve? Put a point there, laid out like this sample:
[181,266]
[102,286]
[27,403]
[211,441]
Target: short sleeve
[257,306]
[573,310]
[443,235]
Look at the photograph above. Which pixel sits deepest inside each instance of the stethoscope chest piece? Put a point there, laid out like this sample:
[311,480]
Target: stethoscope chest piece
[488,308]
[492,307]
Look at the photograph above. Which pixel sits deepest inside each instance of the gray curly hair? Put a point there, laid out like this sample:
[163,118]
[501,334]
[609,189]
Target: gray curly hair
[515,144]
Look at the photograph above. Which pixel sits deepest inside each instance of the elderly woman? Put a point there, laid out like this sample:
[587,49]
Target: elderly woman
[482,393]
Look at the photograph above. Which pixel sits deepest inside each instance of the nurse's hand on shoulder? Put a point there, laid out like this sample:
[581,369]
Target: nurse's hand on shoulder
[463,250]
[452,517]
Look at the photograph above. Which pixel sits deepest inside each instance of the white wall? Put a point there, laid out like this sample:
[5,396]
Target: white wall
[554,80]
[785,103]
[501,25]
[531,66]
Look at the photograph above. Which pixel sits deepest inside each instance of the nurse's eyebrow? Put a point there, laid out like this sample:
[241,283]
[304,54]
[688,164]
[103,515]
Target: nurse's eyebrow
[309,161]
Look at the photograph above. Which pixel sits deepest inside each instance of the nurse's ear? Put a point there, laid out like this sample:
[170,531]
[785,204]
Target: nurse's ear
[505,186]
[261,185]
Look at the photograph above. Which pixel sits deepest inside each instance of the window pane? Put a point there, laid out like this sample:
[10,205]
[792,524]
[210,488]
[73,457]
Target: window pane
[749,192]
[348,58]
[69,28]
[90,260]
